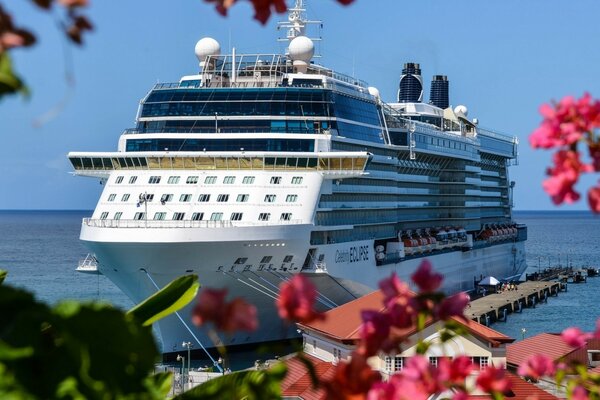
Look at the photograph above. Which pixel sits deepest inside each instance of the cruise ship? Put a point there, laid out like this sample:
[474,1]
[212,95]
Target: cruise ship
[261,166]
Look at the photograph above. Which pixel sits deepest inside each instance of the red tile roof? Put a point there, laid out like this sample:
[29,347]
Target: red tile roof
[297,381]
[548,344]
[521,390]
[343,323]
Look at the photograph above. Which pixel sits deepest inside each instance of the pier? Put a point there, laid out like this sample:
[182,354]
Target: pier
[496,307]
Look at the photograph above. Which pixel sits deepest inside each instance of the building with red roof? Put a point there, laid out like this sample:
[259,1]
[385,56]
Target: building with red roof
[328,341]
[334,338]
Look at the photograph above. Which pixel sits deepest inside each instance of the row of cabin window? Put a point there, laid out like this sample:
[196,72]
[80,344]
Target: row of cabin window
[197,216]
[203,198]
[209,180]
[264,260]
[397,363]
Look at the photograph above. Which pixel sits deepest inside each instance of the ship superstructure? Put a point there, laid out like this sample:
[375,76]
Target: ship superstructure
[263,166]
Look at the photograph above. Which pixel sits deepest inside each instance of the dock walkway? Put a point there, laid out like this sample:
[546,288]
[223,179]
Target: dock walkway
[495,307]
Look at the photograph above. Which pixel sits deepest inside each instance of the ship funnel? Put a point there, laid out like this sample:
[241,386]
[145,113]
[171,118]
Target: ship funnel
[411,84]
[439,94]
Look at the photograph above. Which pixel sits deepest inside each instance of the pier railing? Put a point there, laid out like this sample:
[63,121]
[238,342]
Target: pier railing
[156,224]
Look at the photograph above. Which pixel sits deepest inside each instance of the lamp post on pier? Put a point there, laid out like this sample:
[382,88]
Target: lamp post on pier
[189,346]
[182,359]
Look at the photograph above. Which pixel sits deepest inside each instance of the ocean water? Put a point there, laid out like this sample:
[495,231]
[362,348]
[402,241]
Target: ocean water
[41,249]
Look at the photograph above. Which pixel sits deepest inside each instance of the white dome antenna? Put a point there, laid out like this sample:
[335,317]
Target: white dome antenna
[460,109]
[301,51]
[206,47]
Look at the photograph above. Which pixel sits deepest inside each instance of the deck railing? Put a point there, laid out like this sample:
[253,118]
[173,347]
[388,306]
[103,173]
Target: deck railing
[154,224]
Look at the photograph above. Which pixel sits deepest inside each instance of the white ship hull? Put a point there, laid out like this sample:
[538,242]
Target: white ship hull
[208,253]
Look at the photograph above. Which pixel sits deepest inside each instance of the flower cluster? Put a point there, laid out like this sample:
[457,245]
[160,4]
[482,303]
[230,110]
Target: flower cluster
[566,124]
[262,8]
[402,308]
[227,317]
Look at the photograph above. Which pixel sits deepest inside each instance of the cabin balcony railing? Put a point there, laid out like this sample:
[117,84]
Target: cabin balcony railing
[157,224]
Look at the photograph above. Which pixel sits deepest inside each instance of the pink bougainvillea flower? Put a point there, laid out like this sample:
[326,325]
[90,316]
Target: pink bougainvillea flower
[579,393]
[536,366]
[403,311]
[419,370]
[597,331]
[574,337]
[454,372]
[452,306]
[392,287]
[262,8]
[398,387]
[460,395]
[566,122]
[427,280]
[210,304]
[564,175]
[239,316]
[296,300]
[351,379]
[493,380]
[374,331]
[594,199]
[226,316]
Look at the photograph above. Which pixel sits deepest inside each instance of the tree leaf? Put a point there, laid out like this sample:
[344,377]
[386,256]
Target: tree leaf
[168,300]
[9,82]
[3,275]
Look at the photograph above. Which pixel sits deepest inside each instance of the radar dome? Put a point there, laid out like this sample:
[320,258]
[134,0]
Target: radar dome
[373,91]
[301,49]
[461,110]
[207,47]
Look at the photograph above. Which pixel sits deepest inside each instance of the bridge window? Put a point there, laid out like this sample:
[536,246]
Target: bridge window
[185,198]
[203,198]
[119,179]
[296,180]
[154,180]
[159,216]
[209,180]
[264,216]
[216,216]
[125,197]
[242,198]
[173,180]
[178,216]
[236,216]
[248,180]
[112,197]
[291,198]
[270,198]
[192,180]
[132,179]
[197,216]
[228,180]
[286,216]
[118,215]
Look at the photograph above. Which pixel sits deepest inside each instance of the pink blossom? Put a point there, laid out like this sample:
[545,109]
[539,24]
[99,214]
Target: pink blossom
[493,380]
[418,369]
[597,331]
[210,303]
[455,371]
[351,378]
[566,122]
[537,366]
[579,393]
[403,312]
[594,199]
[375,332]
[392,287]
[398,388]
[296,300]
[564,175]
[460,395]
[427,280]
[574,337]
[227,317]
[452,306]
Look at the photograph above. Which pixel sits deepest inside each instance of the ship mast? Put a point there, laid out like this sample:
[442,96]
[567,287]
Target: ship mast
[297,23]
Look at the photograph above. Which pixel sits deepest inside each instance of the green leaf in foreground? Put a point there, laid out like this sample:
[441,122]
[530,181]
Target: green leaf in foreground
[3,274]
[251,385]
[9,82]
[168,300]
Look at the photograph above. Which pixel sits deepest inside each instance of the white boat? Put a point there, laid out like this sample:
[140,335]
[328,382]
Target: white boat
[261,166]
[89,265]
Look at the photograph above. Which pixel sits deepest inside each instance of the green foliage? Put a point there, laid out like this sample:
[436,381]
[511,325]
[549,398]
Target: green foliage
[84,350]
[2,275]
[168,300]
[258,385]
[9,82]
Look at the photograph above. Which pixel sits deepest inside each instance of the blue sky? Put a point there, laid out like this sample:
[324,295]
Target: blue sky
[503,60]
